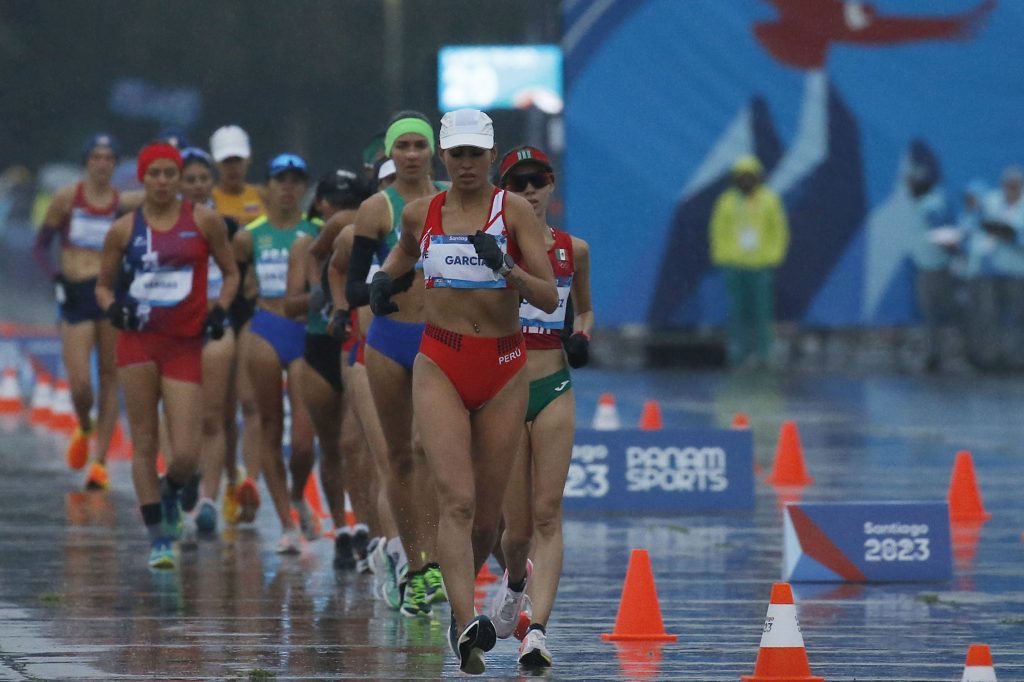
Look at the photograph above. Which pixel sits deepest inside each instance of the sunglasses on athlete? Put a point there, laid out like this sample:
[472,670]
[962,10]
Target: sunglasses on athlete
[518,181]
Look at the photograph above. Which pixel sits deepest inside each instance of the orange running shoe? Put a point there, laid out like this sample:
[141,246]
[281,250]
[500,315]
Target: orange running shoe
[248,501]
[78,449]
[229,507]
[97,478]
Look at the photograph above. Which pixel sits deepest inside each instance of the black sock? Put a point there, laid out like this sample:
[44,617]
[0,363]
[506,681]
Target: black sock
[152,516]
[538,626]
[519,586]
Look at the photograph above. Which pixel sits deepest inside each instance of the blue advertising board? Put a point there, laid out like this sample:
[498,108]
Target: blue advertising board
[668,471]
[867,542]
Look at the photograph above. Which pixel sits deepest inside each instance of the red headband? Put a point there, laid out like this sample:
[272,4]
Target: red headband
[156,151]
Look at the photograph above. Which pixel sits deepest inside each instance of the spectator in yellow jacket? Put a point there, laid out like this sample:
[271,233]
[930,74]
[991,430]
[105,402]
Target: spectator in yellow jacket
[749,236]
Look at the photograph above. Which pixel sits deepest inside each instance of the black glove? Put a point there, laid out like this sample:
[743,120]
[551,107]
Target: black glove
[577,349]
[487,248]
[123,315]
[381,288]
[340,325]
[214,325]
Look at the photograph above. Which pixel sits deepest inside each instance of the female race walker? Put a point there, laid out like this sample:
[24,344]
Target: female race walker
[81,214]
[469,395]
[533,500]
[391,347]
[165,247]
[275,343]
[218,423]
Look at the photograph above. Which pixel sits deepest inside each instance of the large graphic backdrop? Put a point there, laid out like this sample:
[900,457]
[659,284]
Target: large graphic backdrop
[833,96]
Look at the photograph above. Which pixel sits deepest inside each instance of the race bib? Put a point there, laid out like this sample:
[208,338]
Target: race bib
[273,277]
[533,320]
[88,231]
[451,262]
[161,288]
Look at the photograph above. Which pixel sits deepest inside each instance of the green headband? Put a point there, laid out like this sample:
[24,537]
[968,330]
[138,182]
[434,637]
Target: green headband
[407,125]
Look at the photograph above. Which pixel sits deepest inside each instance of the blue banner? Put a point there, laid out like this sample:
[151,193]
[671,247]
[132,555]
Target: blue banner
[867,542]
[837,99]
[661,471]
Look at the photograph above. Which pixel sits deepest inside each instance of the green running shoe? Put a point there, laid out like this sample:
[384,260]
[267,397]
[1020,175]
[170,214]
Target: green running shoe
[414,600]
[434,584]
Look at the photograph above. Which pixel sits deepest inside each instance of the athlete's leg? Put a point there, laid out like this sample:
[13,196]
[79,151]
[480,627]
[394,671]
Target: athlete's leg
[551,440]
[323,404]
[109,404]
[218,360]
[77,341]
[357,387]
[301,461]
[141,385]
[251,438]
[182,402]
[447,440]
[264,373]
[392,395]
[517,512]
[360,472]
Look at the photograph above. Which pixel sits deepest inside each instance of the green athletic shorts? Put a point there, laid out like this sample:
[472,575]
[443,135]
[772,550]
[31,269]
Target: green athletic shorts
[546,389]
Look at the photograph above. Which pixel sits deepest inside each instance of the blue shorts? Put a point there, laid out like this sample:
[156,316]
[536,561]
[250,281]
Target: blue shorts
[399,341]
[288,337]
[78,301]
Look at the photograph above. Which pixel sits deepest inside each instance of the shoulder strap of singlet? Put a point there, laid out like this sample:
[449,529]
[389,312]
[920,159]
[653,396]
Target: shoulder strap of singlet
[262,220]
[79,199]
[497,207]
[434,213]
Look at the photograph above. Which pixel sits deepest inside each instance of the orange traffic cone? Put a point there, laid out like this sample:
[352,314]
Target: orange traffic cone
[650,417]
[62,414]
[740,421]
[120,447]
[312,494]
[639,617]
[782,655]
[639,660]
[42,399]
[979,665]
[606,418]
[161,464]
[964,496]
[485,576]
[789,466]
[10,392]
[350,514]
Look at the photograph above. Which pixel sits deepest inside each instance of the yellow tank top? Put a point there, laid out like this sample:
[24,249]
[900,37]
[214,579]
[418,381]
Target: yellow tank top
[244,207]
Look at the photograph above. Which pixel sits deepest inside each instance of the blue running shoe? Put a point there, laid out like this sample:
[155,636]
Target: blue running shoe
[206,517]
[161,554]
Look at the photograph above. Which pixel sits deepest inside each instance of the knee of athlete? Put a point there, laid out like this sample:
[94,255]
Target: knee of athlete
[548,519]
[211,425]
[458,507]
[484,532]
[401,465]
[517,535]
[81,390]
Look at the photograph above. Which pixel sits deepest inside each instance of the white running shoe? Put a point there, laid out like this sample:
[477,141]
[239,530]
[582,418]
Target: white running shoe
[376,555]
[506,605]
[290,542]
[533,652]
[189,530]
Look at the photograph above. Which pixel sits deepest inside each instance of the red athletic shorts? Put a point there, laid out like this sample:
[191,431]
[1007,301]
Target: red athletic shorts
[176,357]
[477,367]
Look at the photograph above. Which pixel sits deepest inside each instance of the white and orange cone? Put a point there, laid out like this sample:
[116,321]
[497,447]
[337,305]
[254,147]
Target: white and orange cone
[606,418]
[782,655]
[62,413]
[42,399]
[979,665]
[10,392]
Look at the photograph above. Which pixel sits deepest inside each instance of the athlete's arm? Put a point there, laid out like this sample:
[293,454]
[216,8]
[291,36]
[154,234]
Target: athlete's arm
[537,282]
[296,296]
[56,214]
[323,243]
[241,245]
[583,321]
[371,226]
[216,233]
[114,245]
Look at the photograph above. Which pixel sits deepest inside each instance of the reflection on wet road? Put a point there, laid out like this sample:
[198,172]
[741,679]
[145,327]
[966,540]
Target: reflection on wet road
[77,601]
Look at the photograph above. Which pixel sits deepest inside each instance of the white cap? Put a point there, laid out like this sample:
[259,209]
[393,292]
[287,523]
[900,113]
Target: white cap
[229,141]
[467,128]
[387,168]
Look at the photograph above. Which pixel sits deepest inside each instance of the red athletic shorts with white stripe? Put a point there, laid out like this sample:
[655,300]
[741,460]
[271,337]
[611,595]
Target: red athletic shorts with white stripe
[175,357]
[477,367]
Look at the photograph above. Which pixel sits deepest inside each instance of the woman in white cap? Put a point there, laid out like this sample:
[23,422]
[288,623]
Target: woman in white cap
[391,347]
[533,500]
[469,393]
